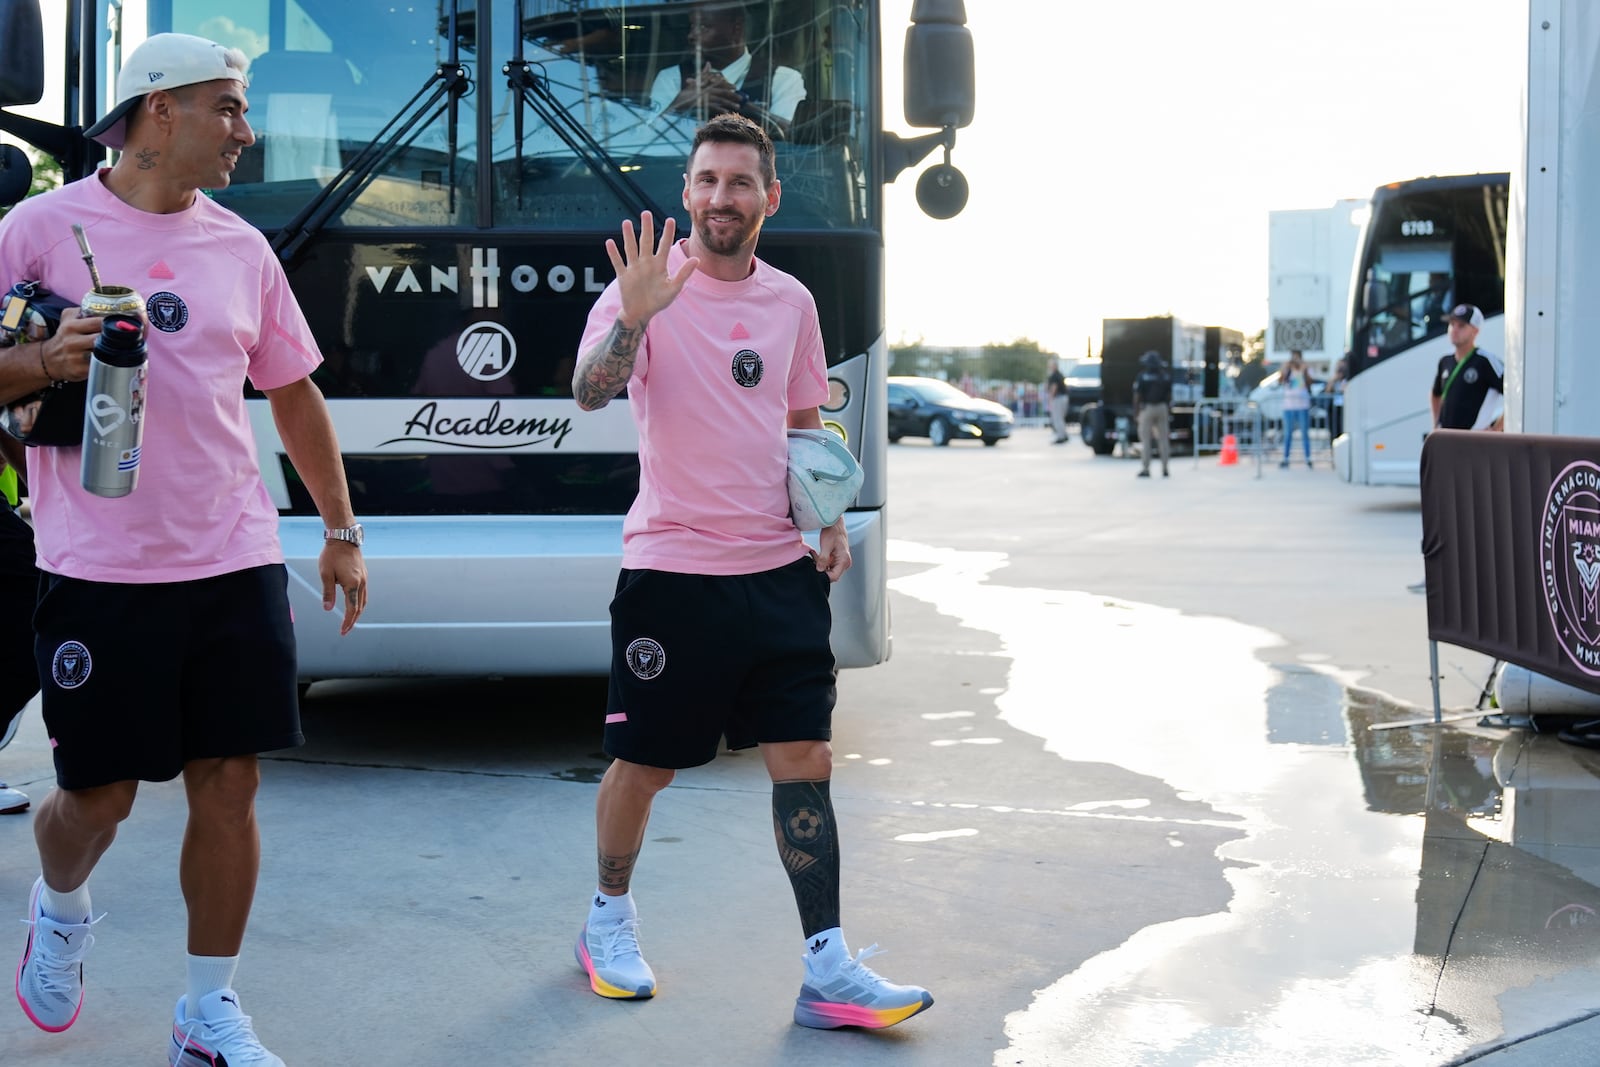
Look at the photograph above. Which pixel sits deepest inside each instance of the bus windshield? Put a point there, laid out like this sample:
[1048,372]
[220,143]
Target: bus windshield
[586,128]
[1429,245]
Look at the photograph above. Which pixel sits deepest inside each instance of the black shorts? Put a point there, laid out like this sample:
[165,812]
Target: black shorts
[696,657]
[138,680]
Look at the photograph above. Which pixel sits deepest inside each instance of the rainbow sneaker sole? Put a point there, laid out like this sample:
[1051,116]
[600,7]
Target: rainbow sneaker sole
[609,955]
[856,995]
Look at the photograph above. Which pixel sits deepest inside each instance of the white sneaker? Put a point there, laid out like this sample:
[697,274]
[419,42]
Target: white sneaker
[854,995]
[609,954]
[221,1037]
[50,976]
[12,801]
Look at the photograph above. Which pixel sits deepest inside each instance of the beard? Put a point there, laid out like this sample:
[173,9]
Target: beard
[730,240]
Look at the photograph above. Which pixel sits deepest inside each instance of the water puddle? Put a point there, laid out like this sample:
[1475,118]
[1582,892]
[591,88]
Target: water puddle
[1399,896]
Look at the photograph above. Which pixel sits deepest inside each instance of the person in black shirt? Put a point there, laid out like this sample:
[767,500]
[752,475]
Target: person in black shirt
[1469,386]
[1152,397]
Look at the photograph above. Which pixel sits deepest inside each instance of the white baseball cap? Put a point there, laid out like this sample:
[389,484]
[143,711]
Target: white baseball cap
[1467,313]
[165,61]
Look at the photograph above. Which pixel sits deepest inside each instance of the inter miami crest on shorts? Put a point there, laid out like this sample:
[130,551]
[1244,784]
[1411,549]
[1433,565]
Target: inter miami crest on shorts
[646,658]
[70,666]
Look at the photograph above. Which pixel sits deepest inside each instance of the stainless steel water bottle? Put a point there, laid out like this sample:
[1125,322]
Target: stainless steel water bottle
[113,415]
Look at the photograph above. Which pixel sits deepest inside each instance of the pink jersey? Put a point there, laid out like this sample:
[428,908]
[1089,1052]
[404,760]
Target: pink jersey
[717,374]
[220,309]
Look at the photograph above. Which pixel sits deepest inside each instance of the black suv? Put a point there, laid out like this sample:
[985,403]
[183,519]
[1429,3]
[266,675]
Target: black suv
[927,407]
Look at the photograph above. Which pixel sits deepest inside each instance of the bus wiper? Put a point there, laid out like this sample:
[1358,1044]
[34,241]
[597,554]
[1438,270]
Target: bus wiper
[397,134]
[449,82]
[533,91]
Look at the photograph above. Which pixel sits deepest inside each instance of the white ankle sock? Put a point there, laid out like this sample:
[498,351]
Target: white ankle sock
[72,907]
[207,974]
[826,950]
[611,909]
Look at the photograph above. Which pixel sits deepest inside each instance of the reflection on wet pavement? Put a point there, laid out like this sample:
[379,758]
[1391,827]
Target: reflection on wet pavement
[1402,896]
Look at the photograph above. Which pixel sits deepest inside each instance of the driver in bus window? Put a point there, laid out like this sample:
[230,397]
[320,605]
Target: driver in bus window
[720,74]
[1398,333]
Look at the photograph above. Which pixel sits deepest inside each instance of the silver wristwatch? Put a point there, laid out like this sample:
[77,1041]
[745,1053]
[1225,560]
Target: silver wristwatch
[352,534]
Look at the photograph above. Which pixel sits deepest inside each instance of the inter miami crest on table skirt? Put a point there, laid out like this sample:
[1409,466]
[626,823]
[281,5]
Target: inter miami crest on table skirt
[1511,545]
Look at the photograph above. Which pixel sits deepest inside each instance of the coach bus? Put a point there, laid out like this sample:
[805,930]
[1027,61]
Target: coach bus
[1427,245]
[439,178]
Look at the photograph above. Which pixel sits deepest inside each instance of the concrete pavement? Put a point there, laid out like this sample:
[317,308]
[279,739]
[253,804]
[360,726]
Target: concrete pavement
[1115,800]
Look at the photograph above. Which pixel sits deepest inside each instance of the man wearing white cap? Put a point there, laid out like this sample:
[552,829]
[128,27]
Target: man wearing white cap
[163,636]
[1469,385]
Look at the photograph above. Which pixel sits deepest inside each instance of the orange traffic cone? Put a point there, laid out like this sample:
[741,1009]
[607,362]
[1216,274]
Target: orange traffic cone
[1230,451]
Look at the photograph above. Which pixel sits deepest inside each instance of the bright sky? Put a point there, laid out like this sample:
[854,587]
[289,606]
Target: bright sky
[1124,156]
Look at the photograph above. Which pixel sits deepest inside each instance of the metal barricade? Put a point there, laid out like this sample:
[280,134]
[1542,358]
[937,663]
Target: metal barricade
[1323,423]
[1217,418]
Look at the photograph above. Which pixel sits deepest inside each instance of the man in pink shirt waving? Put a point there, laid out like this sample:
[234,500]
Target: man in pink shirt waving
[720,622]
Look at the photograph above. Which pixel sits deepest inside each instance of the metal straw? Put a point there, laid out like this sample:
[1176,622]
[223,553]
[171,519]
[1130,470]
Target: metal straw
[88,256]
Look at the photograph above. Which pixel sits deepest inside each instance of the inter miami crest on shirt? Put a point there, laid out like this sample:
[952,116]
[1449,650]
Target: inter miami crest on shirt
[167,312]
[747,368]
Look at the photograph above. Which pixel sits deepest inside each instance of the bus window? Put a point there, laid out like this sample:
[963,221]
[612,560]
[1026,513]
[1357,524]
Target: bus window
[1409,278]
[325,79]
[592,142]
[612,73]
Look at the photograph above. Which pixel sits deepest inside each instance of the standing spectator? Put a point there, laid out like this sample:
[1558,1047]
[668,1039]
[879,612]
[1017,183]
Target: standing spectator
[1468,389]
[163,639]
[1468,386]
[1295,381]
[1055,387]
[1152,399]
[720,623]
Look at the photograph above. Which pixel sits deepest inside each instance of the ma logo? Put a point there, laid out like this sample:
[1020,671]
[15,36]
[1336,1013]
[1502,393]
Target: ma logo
[486,351]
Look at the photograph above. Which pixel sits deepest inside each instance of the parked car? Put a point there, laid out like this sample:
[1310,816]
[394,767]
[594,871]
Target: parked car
[927,407]
[1083,386]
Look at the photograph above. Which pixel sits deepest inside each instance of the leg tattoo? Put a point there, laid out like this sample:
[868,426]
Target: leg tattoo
[802,820]
[617,871]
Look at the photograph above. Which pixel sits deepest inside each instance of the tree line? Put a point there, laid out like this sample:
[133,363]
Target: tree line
[1022,360]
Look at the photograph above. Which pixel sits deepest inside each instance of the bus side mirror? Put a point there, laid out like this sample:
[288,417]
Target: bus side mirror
[940,91]
[16,174]
[22,73]
[939,66]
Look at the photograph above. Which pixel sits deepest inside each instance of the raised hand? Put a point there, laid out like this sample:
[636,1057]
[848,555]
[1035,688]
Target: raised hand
[643,280]
[646,289]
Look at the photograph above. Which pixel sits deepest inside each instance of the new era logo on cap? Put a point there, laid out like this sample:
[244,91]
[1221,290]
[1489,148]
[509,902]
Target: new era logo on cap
[165,61]
[1468,314]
